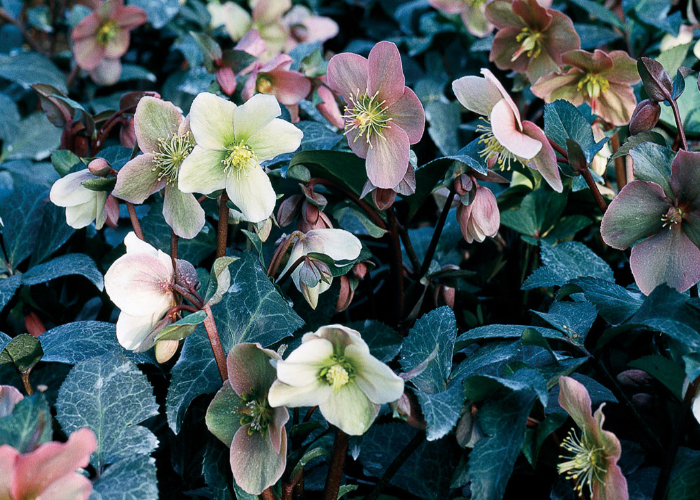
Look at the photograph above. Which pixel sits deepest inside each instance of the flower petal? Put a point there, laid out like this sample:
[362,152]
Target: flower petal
[477,94]
[348,74]
[211,121]
[8,456]
[385,73]
[80,216]
[506,131]
[504,47]
[685,177]
[617,104]
[202,171]
[574,398]
[9,397]
[559,86]
[448,6]
[138,179]
[255,463]
[139,284]
[545,162]
[107,72]
[303,365]
[635,213]
[182,212]
[624,69]
[312,394]
[250,118]
[290,87]
[155,120]
[88,53]
[338,244]
[249,368]
[667,257]
[491,78]
[118,46]
[387,159]
[379,383]
[614,487]
[561,37]
[278,434]
[71,487]
[252,193]
[87,27]
[275,138]
[349,409]
[129,17]
[133,330]
[68,191]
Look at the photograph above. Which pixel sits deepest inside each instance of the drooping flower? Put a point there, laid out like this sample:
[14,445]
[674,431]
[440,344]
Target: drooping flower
[84,205]
[49,471]
[101,38]
[504,136]
[140,284]
[304,27]
[313,277]
[472,12]
[604,81]
[481,217]
[662,222]
[531,39]
[592,456]
[231,142]
[275,77]
[241,416]
[333,368]
[383,117]
[164,137]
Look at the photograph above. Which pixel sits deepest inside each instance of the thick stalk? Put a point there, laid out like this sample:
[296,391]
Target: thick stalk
[396,263]
[335,471]
[594,189]
[679,124]
[215,341]
[436,234]
[267,495]
[222,233]
[394,467]
[620,171]
[27,384]
[356,199]
[135,221]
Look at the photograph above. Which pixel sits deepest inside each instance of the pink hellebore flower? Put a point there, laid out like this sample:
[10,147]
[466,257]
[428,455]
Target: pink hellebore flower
[329,106]
[603,80]
[481,217]
[593,463]
[304,27]
[275,77]
[101,38]
[531,38]
[49,471]
[505,137]
[241,417]
[251,43]
[383,117]
[472,12]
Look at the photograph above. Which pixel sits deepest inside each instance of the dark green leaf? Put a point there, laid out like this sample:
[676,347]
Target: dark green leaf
[133,478]
[101,184]
[159,13]
[8,287]
[24,351]
[383,341]
[65,265]
[22,219]
[491,332]
[441,410]
[28,426]
[562,120]
[53,233]
[444,119]
[685,476]
[28,68]
[593,36]
[664,370]
[614,303]
[538,213]
[573,319]
[317,136]
[635,140]
[344,169]
[36,138]
[182,328]
[9,119]
[567,261]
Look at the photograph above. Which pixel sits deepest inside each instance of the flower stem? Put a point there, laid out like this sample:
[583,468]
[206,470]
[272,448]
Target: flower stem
[588,177]
[267,495]
[363,205]
[436,234]
[222,233]
[279,253]
[394,467]
[135,220]
[408,245]
[27,384]
[335,471]
[558,148]
[215,341]
[396,263]
[620,174]
[173,249]
[679,123]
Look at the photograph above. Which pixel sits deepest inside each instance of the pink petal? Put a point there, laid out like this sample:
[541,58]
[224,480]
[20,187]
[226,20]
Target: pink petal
[407,112]
[561,37]
[254,462]
[137,180]
[490,77]
[685,176]
[574,398]
[86,28]
[107,72]
[277,430]
[226,80]
[252,43]
[448,6]
[359,145]
[614,487]
[290,87]
[329,107]
[118,46]
[540,66]
[506,131]
[72,487]
[617,104]
[281,61]
[9,397]
[533,14]
[501,15]
[387,159]
[485,211]
[559,86]
[596,62]
[8,456]
[504,47]
[155,120]
[88,53]
[249,368]
[251,82]
[320,28]
[268,12]
[347,75]
[130,17]
[624,68]
[545,162]
[386,73]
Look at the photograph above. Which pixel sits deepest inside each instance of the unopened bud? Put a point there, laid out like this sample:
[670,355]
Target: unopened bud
[645,116]
[657,82]
[112,211]
[226,80]
[383,198]
[360,270]
[186,275]
[80,146]
[345,296]
[99,166]
[634,378]
[165,350]
[33,324]
[463,184]
[288,210]
[407,408]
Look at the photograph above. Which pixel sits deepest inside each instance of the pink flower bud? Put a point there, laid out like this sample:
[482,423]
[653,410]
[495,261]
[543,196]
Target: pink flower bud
[288,210]
[360,270]
[463,184]
[383,198]
[99,166]
[645,116]
[112,211]
[346,294]
[481,218]
[226,80]
[33,324]
[186,275]
[634,378]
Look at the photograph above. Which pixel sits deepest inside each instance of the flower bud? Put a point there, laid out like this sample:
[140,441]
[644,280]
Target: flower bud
[288,210]
[407,408]
[383,198]
[634,378]
[34,325]
[313,218]
[657,82]
[360,270]
[463,184]
[99,166]
[112,211]
[186,275]
[226,80]
[345,296]
[165,350]
[481,218]
[80,146]
[645,116]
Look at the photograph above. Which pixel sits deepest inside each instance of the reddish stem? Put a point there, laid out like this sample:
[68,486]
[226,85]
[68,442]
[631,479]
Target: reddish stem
[335,471]
[215,341]
[222,233]
[362,204]
[135,220]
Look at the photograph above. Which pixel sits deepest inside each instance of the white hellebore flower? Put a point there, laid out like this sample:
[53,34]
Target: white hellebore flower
[83,205]
[231,142]
[312,277]
[333,368]
[140,284]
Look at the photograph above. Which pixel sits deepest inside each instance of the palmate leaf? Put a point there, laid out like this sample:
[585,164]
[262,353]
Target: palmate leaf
[133,478]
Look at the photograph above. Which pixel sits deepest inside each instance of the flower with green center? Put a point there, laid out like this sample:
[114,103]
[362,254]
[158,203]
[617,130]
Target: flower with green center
[231,142]
[531,38]
[241,416]
[333,368]
[164,137]
[471,11]
[276,78]
[603,80]
[591,458]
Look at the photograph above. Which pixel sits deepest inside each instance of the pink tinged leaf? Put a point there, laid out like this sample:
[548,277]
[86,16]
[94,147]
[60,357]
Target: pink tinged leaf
[506,131]
[290,87]
[617,104]
[574,398]
[182,212]
[249,368]
[635,213]
[88,53]
[255,463]
[387,159]
[545,162]
[478,95]
[667,257]
[386,73]
[138,179]
[130,17]
[9,397]
[347,75]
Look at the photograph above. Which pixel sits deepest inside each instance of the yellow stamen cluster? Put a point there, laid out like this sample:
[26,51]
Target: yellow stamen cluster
[593,85]
[107,32]
[367,115]
[530,43]
[494,149]
[587,465]
[672,217]
[264,84]
[239,159]
[172,152]
[339,374]
[256,412]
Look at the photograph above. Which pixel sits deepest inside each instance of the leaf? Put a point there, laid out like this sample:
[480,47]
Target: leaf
[133,478]
[28,426]
[159,13]
[132,72]
[28,68]
[573,319]
[53,233]
[251,311]
[8,287]
[664,370]
[383,341]
[534,439]
[685,476]
[66,265]
[614,303]
[598,392]
[317,136]
[24,351]
[344,169]
[109,395]
[599,11]
[491,461]
[182,328]
[562,120]
[655,13]
[441,410]
[9,119]
[672,59]
[538,213]
[219,280]
[63,161]
[436,328]
[593,36]
[635,140]
[444,119]
[216,468]
[36,138]
[567,261]
[491,332]
[653,163]
[22,219]
[79,341]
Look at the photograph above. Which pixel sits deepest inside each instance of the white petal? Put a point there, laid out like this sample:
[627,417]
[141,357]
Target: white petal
[211,121]
[252,193]
[138,284]
[303,365]
[312,394]
[135,245]
[379,383]
[296,254]
[132,330]
[69,192]
[255,114]
[202,171]
[276,138]
[338,244]
[79,216]
[476,94]
[349,409]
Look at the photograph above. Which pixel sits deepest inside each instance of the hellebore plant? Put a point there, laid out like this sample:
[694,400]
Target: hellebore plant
[164,137]
[504,136]
[472,13]
[304,27]
[593,456]
[333,368]
[101,38]
[231,142]
[140,283]
[312,277]
[275,77]
[662,224]
[242,418]
[531,39]
[48,472]
[604,81]
[383,117]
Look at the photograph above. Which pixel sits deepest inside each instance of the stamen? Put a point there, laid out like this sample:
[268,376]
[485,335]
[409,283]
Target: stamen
[238,160]
[367,115]
[593,85]
[339,374]
[494,149]
[172,152]
[530,43]
[256,412]
[107,32]
[672,217]
[587,465]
